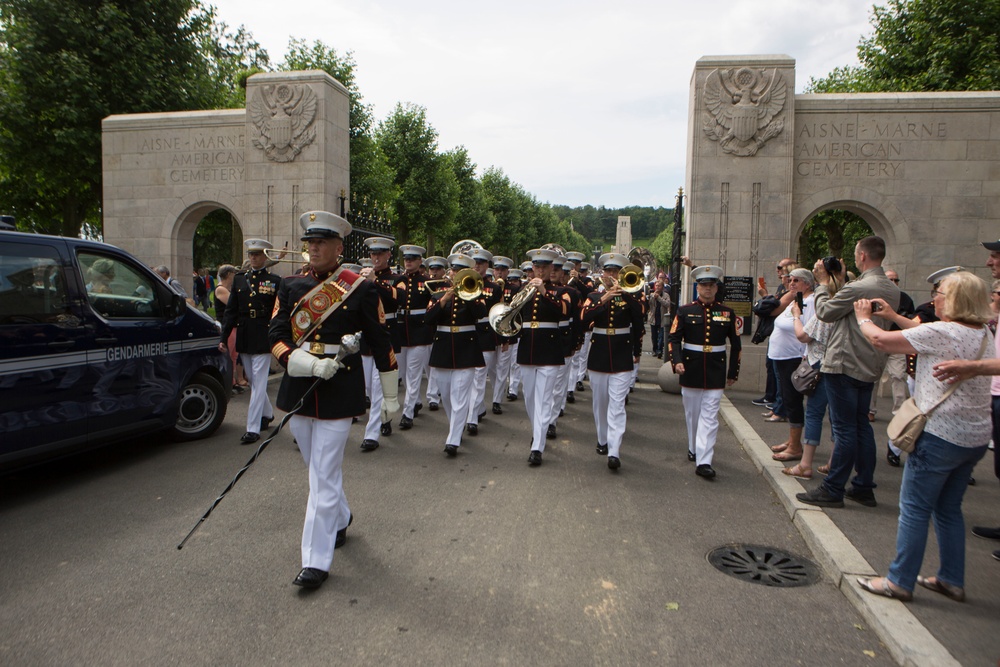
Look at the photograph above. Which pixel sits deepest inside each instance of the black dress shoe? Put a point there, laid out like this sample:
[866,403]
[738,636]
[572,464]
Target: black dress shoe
[691,456]
[405,423]
[614,463]
[602,449]
[473,429]
[481,415]
[535,458]
[819,497]
[368,403]
[497,410]
[433,406]
[511,397]
[562,412]
[368,445]
[579,385]
[310,577]
[249,438]
[341,538]
[892,458]
[705,470]
[551,433]
[451,450]
[570,398]
[265,422]
[417,408]
[386,428]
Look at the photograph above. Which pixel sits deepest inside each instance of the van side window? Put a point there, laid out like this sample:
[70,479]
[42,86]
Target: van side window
[116,290]
[32,285]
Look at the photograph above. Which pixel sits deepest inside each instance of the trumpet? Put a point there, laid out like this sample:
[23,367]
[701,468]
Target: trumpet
[275,255]
[467,283]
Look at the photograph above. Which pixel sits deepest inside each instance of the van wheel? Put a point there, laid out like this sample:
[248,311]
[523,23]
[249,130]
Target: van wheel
[202,408]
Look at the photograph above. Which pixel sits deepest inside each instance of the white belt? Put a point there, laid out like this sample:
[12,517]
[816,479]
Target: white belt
[319,348]
[484,320]
[390,316]
[612,332]
[564,323]
[419,311]
[458,329]
[703,348]
[541,325]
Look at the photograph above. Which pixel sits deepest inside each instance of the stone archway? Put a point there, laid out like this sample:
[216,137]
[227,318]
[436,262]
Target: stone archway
[920,168]
[286,153]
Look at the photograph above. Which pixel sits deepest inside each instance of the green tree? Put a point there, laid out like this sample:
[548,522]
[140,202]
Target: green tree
[64,66]
[832,232]
[475,220]
[371,175]
[428,200]
[662,248]
[924,45]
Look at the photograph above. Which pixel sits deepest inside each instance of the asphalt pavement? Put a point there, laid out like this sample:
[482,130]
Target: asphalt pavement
[476,560]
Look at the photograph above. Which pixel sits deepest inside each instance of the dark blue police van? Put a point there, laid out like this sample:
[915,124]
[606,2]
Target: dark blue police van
[94,348]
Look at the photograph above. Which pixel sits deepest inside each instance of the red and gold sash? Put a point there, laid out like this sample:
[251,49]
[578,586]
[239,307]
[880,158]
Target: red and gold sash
[313,309]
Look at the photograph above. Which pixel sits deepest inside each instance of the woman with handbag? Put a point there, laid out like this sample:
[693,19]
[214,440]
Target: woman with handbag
[954,439]
[787,352]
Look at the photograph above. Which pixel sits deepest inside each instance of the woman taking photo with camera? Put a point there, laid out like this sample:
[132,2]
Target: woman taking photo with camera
[954,439]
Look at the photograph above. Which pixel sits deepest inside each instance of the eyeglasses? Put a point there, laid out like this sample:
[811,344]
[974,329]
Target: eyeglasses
[937,292]
[895,280]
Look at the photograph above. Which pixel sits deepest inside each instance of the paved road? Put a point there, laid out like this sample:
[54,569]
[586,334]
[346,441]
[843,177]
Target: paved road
[473,560]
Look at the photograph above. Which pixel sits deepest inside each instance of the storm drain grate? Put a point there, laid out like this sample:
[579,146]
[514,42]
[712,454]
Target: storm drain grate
[764,565]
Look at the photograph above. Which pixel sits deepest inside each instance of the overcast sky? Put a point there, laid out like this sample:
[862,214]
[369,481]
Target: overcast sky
[580,102]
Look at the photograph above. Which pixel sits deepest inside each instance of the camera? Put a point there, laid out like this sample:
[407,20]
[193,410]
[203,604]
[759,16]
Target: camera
[876,306]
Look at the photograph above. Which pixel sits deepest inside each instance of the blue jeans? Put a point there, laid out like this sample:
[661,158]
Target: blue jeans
[815,411]
[849,400]
[934,481]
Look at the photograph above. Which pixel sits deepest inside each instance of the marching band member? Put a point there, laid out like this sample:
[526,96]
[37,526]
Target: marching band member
[505,347]
[540,352]
[384,281]
[514,377]
[615,349]
[437,266]
[698,354]
[455,354]
[487,341]
[569,327]
[314,311]
[586,287]
[415,336]
[251,301]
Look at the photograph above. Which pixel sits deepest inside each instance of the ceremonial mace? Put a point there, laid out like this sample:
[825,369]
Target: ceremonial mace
[349,344]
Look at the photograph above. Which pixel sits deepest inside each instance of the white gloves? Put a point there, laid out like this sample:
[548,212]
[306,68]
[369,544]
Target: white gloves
[301,364]
[390,394]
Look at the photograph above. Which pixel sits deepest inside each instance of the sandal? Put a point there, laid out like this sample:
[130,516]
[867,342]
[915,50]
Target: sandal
[787,456]
[798,471]
[779,448]
[776,418]
[934,584]
[885,589]
[823,469]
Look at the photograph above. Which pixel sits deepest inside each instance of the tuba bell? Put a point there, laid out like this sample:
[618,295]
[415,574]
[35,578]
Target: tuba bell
[504,318]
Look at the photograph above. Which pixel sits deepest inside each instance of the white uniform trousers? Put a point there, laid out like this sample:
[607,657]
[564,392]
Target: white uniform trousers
[635,374]
[456,394]
[477,405]
[414,360]
[581,362]
[560,389]
[514,383]
[539,400]
[372,379]
[257,367]
[701,411]
[608,400]
[322,443]
[433,393]
[502,378]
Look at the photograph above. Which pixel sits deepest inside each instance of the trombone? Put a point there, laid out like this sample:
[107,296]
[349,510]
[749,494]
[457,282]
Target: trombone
[276,255]
[467,283]
[630,279]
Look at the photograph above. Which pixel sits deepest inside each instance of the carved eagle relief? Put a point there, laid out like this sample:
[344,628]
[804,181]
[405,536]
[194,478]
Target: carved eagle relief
[742,106]
[283,115]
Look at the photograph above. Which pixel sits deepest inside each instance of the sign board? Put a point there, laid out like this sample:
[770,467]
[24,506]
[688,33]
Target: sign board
[739,295]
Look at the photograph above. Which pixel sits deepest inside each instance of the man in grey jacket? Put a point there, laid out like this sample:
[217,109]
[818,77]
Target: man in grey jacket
[851,366]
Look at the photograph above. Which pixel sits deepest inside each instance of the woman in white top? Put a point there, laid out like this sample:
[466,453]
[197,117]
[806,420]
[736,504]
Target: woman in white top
[787,351]
[955,438]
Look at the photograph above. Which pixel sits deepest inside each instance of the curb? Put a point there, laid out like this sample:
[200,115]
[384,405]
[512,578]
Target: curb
[907,640]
